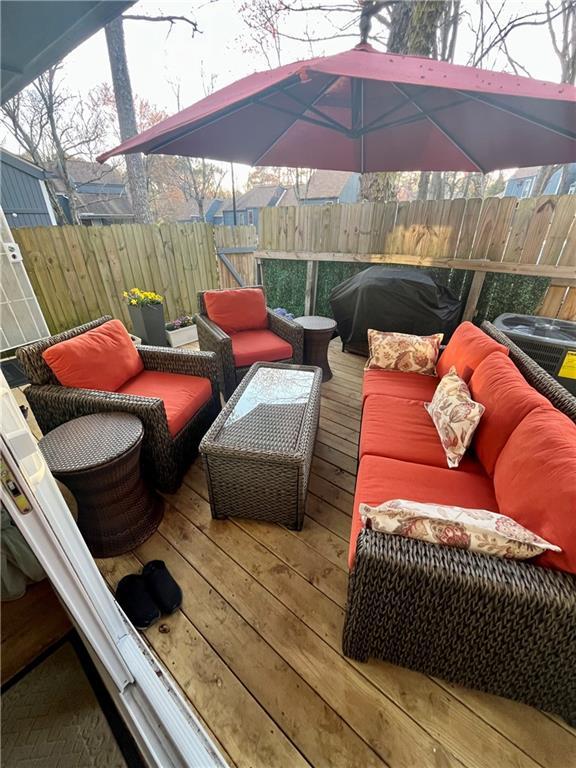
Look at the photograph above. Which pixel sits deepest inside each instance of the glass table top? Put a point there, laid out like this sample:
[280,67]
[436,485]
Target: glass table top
[269,412]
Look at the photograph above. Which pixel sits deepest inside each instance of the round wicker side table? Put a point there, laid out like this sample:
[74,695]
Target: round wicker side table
[318,332]
[98,458]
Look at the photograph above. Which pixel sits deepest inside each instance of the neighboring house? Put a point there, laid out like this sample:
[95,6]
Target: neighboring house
[101,193]
[212,211]
[325,188]
[23,194]
[521,183]
[248,205]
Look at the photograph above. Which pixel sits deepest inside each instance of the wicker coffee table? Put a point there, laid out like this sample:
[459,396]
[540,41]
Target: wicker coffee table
[98,458]
[258,452]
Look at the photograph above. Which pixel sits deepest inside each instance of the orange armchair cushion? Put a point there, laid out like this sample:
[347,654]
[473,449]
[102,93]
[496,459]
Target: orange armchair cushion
[102,358]
[534,480]
[182,395]
[253,346]
[507,398]
[237,310]
[381,479]
[466,350]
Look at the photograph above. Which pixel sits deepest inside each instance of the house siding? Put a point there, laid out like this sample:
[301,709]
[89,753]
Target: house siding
[22,198]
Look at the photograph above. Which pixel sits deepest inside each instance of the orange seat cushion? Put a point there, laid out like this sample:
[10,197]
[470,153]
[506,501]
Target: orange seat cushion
[535,482]
[254,346]
[402,429]
[102,358]
[381,479]
[414,386]
[183,395]
[243,309]
[507,397]
[466,350]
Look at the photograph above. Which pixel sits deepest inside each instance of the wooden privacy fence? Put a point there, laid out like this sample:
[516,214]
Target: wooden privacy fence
[235,248]
[534,236]
[78,273]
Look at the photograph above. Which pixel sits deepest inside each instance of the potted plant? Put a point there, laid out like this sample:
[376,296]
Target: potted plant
[181,331]
[146,310]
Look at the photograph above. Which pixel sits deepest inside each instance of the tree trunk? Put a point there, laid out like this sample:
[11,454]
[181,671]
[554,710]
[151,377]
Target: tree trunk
[413,29]
[127,118]
[436,186]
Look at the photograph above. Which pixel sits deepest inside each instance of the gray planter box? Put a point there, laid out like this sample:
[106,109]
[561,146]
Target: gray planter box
[148,323]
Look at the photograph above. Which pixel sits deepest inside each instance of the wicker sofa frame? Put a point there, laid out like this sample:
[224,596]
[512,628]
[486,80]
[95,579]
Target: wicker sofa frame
[505,627]
[212,338]
[165,458]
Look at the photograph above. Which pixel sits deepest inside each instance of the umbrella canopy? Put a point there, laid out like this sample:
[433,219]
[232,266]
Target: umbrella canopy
[364,110]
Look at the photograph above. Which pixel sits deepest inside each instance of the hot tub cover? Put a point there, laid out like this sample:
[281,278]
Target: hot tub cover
[392,299]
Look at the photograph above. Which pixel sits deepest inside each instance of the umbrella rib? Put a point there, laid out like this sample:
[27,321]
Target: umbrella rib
[442,130]
[521,115]
[371,127]
[312,108]
[299,117]
[213,119]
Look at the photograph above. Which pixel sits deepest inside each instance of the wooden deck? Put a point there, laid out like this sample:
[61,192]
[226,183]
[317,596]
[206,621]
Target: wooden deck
[256,647]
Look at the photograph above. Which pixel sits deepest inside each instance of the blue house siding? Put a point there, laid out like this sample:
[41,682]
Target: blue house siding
[523,187]
[351,191]
[21,194]
[245,216]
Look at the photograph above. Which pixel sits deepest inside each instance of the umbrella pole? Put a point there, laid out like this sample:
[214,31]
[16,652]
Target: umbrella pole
[233,193]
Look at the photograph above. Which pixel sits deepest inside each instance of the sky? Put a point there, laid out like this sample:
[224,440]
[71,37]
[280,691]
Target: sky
[160,57]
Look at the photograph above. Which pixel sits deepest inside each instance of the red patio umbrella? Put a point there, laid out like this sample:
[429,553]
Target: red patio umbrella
[364,110]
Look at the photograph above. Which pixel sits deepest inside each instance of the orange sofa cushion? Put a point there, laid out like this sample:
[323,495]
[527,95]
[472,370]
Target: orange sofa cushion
[243,309]
[466,350]
[182,395]
[413,386]
[102,358]
[402,429]
[381,479]
[535,482]
[507,397]
[253,346]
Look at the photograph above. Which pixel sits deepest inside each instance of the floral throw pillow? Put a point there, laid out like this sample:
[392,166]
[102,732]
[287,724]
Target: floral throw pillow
[475,529]
[403,352]
[455,416]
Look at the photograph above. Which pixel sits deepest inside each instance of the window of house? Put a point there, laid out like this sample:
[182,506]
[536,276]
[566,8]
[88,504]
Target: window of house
[250,216]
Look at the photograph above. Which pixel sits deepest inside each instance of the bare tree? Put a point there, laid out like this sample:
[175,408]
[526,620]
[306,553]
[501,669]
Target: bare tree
[53,127]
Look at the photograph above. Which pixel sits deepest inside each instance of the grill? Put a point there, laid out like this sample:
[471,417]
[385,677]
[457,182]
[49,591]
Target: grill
[549,342]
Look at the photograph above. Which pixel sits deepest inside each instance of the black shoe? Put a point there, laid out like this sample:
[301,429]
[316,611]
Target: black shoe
[133,596]
[161,586]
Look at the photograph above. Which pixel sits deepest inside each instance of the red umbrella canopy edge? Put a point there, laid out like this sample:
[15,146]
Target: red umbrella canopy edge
[364,110]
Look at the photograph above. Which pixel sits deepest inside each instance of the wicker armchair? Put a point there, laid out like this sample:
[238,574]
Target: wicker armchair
[212,338]
[165,458]
[502,626]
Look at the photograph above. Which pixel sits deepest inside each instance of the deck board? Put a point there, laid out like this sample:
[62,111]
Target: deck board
[256,646]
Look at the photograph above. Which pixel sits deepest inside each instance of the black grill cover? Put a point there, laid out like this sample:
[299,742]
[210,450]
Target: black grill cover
[392,299]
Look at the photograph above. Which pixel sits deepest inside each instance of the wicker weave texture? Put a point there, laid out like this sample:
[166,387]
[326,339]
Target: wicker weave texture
[260,467]
[165,457]
[506,627]
[213,339]
[98,458]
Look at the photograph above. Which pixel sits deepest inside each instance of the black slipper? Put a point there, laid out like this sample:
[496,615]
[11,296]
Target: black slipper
[162,587]
[133,596]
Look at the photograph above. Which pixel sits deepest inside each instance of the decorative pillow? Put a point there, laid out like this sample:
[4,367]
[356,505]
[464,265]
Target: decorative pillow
[392,351]
[475,529]
[455,416]
[102,358]
[237,310]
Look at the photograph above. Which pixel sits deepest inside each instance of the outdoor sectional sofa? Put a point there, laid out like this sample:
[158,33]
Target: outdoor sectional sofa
[503,626]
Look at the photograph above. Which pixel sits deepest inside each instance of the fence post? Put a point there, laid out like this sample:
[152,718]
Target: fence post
[311,287]
[473,295]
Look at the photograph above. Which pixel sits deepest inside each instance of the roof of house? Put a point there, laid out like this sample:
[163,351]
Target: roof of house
[322,185]
[257,197]
[86,172]
[112,203]
[526,173]
[21,163]
[107,206]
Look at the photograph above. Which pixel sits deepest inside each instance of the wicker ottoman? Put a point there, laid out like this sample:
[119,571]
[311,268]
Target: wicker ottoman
[258,452]
[98,458]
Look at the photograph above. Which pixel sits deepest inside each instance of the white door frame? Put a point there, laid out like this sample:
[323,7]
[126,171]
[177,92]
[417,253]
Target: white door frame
[165,728]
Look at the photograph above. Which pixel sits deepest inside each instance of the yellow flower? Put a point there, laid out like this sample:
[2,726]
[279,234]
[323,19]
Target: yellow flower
[133,301]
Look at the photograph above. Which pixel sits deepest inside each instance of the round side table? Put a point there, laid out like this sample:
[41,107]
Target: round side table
[318,332]
[98,458]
